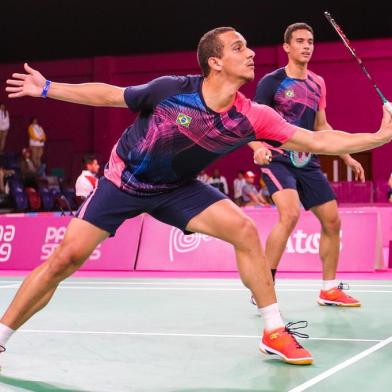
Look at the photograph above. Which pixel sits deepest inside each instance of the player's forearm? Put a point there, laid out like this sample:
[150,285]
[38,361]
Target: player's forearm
[93,94]
[334,142]
[255,145]
[343,143]
[325,126]
[345,157]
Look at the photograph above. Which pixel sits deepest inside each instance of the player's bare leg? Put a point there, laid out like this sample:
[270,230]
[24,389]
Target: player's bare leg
[288,204]
[80,240]
[331,293]
[226,221]
[328,216]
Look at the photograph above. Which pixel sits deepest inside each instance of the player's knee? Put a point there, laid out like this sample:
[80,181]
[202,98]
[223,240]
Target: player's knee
[332,225]
[289,218]
[247,233]
[64,261]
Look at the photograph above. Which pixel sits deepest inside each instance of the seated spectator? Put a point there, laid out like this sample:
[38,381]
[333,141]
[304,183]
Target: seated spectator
[37,141]
[4,173]
[28,169]
[238,184]
[250,194]
[88,179]
[265,192]
[390,189]
[203,177]
[4,125]
[219,182]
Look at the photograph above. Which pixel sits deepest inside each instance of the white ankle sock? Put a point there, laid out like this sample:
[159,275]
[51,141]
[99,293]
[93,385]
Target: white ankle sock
[329,284]
[5,334]
[271,316]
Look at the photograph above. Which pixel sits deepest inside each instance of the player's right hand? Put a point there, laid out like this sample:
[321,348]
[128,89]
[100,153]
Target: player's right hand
[385,132]
[28,84]
[262,156]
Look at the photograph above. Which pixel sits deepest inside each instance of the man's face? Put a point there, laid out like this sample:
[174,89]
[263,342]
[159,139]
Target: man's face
[237,59]
[93,166]
[301,46]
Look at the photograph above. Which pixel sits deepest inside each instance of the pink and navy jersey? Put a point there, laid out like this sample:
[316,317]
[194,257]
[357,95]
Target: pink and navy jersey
[176,135]
[296,100]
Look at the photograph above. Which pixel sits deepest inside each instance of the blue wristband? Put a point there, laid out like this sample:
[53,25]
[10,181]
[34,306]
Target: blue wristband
[45,89]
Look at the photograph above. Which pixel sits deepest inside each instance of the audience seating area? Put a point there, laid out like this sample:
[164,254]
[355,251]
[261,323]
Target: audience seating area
[51,193]
[357,192]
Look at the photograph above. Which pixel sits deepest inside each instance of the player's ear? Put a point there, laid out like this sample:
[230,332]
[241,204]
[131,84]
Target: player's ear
[286,47]
[215,63]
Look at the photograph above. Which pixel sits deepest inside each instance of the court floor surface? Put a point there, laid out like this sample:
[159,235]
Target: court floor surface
[193,335]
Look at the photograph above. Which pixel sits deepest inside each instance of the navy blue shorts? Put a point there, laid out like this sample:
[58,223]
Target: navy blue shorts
[108,206]
[310,183]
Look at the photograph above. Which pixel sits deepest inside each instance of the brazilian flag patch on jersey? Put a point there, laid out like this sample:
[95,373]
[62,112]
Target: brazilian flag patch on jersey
[183,119]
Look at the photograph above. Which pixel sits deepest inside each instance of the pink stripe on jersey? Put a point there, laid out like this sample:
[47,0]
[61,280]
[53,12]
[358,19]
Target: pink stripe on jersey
[323,91]
[115,168]
[276,182]
[268,124]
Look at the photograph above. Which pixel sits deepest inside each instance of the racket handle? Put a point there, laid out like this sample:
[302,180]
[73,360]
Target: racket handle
[388,106]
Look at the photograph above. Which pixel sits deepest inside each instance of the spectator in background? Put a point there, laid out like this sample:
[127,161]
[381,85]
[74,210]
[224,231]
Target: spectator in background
[219,182]
[390,189]
[88,179]
[203,177]
[4,126]
[28,169]
[4,173]
[37,141]
[250,194]
[264,191]
[238,183]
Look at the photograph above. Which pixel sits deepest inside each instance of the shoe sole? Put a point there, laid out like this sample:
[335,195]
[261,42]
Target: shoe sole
[324,302]
[293,361]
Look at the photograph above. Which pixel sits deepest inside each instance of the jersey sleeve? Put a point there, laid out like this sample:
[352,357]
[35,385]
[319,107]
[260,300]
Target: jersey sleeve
[147,96]
[269,126]
[265,91]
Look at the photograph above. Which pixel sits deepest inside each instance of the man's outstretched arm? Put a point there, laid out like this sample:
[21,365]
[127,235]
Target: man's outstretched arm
[338,142]
[32,83]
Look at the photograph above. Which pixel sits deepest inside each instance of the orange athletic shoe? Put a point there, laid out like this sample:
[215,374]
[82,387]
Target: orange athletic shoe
[281,341]
[336,297]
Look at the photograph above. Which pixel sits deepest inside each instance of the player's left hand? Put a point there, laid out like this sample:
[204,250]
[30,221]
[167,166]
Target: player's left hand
[262,156]
[357,169]
[30,83]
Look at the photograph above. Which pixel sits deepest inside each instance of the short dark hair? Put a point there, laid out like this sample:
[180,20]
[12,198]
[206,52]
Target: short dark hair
[87,159]
[294,27]
[210,46]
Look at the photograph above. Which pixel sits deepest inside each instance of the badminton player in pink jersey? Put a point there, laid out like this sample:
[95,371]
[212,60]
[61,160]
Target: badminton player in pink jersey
[184,124]
[292,178]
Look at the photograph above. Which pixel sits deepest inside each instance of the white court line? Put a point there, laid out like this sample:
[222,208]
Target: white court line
[157,288]
[341,366]
[205,289]
[174,334]
[198,282]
